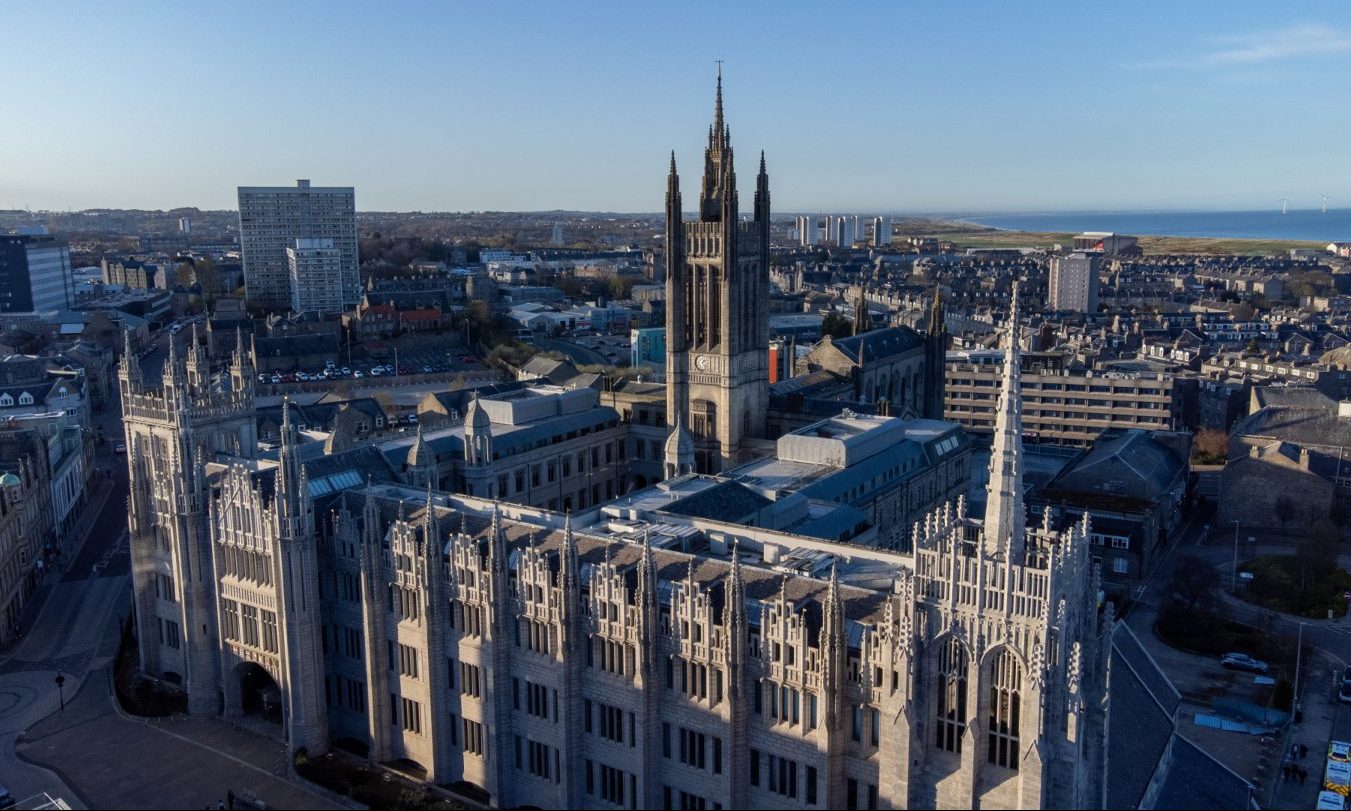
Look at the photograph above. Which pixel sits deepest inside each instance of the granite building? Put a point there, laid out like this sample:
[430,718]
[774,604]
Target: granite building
[614,657]
[717,308]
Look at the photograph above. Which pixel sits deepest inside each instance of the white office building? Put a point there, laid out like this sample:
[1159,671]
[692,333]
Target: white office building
[35,274]
[272,218]
[846,230]
[321,281]
[881,232]
[1074,283]
[806,231]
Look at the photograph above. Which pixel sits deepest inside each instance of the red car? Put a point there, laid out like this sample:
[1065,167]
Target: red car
[468,359]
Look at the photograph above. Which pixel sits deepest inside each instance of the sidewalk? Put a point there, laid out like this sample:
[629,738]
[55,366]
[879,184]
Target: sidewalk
[159,763]
[1321,710]
[52,576]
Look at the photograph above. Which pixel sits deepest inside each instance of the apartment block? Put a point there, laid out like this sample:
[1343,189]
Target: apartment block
[1060,405]
[272,218]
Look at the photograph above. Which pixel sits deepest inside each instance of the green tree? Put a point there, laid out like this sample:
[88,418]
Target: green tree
[836,326]
[1191,581]
[1316,556]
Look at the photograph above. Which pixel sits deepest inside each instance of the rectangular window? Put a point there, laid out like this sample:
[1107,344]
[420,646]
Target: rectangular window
[811,785]
[412,716]
[755,767]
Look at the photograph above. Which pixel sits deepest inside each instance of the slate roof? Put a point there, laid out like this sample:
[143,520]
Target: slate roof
[880,343]
[807,383]
[1298,425]
[289,345]
[761,584]
[1140,719]
[1150,764]
[1130,452]
[458,400]
[1194,779]
[732,502]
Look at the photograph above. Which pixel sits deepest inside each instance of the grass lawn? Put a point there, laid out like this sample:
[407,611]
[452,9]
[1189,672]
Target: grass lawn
[969,235]
[1276,585]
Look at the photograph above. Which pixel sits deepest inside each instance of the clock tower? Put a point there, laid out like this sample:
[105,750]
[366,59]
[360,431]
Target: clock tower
[717,308]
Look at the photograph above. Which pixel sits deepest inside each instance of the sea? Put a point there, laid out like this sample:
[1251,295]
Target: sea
[1314,225]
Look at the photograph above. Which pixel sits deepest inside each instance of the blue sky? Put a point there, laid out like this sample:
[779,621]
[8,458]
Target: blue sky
[942,107]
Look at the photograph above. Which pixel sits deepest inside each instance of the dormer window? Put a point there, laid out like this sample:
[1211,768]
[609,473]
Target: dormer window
[25,399]
[6,400]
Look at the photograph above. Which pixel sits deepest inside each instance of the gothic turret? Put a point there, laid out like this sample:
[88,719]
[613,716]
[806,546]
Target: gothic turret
[420,463]
[241,367]
[1004,511]
[478,434]
[293,504]
[129,372]
[935,358]
[679,452]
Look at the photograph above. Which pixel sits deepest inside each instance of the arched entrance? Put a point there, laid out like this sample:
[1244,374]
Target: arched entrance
[259,695]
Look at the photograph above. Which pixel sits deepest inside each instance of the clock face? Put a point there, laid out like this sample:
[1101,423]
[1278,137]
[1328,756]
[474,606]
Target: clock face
[701,363]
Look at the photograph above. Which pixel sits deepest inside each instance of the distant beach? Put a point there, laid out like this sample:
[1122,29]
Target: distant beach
[1334,226]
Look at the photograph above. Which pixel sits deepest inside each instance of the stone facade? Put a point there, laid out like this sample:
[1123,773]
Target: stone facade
[717,308]
[619,664]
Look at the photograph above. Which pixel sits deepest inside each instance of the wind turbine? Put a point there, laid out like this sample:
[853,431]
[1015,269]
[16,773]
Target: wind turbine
[1283,202]
[1325,204]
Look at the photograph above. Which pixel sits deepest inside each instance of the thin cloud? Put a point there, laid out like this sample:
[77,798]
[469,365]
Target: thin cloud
[1293,42]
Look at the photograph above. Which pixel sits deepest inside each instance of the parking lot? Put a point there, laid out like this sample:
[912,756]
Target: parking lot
[422,362]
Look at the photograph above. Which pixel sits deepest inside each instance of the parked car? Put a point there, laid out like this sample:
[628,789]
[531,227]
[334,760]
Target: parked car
[1242,661]
[346,370]
[119,447]
[277,379]
[1339,751]
[1344,691]
[358,374]
[1331,801]
[302,377]
[468,359]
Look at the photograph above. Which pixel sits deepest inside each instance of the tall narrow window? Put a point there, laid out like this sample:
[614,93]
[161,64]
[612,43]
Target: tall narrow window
[1006,685]
[951,693]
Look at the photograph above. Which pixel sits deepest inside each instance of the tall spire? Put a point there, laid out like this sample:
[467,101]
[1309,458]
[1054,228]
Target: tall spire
[717,202]
[1005,515]
[719,128]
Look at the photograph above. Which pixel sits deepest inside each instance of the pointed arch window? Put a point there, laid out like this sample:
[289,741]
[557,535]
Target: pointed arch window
[951,692]
[1006,685]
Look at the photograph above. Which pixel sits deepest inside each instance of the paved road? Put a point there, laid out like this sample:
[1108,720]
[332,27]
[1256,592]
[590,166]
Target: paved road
[174,763]
[72,633]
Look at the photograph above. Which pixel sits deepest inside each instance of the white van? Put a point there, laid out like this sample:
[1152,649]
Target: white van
[1337,778]
[1330,801]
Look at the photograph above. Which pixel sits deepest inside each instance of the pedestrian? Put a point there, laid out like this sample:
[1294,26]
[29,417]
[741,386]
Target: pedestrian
[1288,772]
[1303,751]
[1303,773]
[230,799]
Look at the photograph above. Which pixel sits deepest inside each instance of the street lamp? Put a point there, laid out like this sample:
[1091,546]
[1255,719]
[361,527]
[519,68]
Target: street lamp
[1299,650]
[61,690]
[1233,582]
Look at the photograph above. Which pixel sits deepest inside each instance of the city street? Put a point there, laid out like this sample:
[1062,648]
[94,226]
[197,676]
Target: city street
[1200,680]
[70,629]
